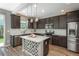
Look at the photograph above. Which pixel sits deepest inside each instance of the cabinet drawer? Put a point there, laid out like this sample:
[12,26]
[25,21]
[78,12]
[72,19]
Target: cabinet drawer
[71,46]
[60,41]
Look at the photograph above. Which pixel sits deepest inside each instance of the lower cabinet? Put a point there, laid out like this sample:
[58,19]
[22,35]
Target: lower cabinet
[60,41]
[46,47]
[15,41]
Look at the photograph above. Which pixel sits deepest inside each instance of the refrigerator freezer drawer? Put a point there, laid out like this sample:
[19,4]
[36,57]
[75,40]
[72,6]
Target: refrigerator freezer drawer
[71,46]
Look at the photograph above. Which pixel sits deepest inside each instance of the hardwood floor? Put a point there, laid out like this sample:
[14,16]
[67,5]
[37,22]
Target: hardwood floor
[10,51]
[53,51]
[60,51]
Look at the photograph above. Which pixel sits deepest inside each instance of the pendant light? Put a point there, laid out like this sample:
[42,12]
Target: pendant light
[36,19]
[27,14]
[31,20]
[31,16]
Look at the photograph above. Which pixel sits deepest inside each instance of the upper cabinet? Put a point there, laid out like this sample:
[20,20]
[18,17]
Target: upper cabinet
[62,21]
[30,24]
[58,22]
[50,20]
[41,24]
[73,16]
[15,21]
[55,21]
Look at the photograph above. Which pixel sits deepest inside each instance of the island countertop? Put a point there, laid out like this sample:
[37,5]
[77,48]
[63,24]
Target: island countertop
[38,38]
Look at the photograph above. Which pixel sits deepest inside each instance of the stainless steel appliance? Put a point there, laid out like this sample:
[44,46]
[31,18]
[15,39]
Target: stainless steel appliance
[73,36]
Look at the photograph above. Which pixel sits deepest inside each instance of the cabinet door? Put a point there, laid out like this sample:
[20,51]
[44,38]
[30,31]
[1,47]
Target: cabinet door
[30,25]
[60,41]
[62,22]
[41,23]
[12,41]
[55,40]
[73,16]
[50,20]
[55,22]
[77,47]
[46,47]
[15,41]
[15,21]
[18,41]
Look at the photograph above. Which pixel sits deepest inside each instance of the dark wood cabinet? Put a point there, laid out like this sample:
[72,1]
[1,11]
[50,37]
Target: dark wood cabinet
[60,41]
[47,20]
[15,41]
[15,21]
[56,22]
[59,22]
[50,20]
[55,40]
[46,47]
[30,24]
[73,16]
[62,21]
[41,24]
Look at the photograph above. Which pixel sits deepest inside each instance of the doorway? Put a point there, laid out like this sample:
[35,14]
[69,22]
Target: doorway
[2,30]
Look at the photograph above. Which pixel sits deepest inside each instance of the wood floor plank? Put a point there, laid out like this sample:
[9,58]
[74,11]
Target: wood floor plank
[60,51]
[53,51]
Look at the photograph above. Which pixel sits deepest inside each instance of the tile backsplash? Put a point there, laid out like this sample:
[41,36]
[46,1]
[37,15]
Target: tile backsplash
[56,31]
[21,31]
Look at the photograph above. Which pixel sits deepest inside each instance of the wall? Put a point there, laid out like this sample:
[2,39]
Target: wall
[7,25]
[20,31]
[61,32]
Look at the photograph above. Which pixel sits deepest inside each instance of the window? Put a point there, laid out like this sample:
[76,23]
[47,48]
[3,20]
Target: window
[24,24]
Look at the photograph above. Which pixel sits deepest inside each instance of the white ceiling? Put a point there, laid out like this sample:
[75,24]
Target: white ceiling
[51,9]
[9,6]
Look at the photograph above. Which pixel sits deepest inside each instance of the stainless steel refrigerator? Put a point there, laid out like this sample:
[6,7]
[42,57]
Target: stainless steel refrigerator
[73,36]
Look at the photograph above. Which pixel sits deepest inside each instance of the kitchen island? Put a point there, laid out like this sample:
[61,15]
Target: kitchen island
[35,46]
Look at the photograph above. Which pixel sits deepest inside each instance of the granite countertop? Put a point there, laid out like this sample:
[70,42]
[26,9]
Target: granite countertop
[35,33]
[38,38]
[58,35]
[20,34]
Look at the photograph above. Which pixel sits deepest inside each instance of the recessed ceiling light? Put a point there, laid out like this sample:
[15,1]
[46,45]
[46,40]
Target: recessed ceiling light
[35,5]
[62,10]
[23,11]
[43,10]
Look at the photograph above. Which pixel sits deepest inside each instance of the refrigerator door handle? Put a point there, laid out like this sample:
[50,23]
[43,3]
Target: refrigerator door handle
[76,29]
